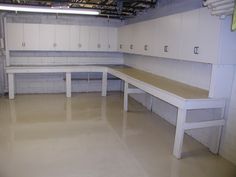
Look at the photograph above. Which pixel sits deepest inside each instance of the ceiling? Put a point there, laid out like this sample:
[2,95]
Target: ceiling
[121,9]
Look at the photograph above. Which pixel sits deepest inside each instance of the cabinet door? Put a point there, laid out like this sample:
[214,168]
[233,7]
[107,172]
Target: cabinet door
[74,38]
[31,36]
[46,37]
[168,29]
[144,38]
[200,36]
[131,34]
[84,38]
[121,39]
[61,37]
[103,38]
[209,32]
[112,39]
[94,44]
[190,35]
[15,35]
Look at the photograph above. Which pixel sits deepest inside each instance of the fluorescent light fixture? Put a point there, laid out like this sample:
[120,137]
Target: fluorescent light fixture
[20,8]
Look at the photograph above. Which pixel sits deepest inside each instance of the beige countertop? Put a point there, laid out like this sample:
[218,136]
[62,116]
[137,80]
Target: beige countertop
[183,90]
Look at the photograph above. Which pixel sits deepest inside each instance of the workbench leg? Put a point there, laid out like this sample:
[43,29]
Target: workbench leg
[179,133]
[126,96]
[11,86]
[216,151]
[68,85]
[104,84]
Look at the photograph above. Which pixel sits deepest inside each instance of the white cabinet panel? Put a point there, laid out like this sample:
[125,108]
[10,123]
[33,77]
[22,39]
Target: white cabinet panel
[84,38]
[74,38]
[31,36]
[209,32]
[62,37]
[103,38]
[200,36]
[168,30]
[22,36]
[190,35]
[47,37]
[94,38]
[112,39]
[15,35]
[144,39]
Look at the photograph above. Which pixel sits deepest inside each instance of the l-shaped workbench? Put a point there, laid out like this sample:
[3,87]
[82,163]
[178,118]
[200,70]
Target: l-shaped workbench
[184,97]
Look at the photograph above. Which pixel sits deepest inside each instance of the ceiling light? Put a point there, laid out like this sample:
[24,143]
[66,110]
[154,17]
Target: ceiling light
[20,8]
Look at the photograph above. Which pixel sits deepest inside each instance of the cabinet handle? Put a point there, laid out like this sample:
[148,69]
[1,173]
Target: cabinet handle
[54,44]
[166,48]
[23,44]
[120,46]
[196,50]
[109,46]
[131,46]
[145,47]
[99,46]
[79,45]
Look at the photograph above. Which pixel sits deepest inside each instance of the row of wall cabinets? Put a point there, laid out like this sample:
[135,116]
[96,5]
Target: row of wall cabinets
[48,37]
[193,35]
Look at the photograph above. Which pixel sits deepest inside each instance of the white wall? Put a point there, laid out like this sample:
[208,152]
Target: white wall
[192,73]
[228,149]
[195,74]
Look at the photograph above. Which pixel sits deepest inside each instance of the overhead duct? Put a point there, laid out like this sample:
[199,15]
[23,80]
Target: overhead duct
[221,8]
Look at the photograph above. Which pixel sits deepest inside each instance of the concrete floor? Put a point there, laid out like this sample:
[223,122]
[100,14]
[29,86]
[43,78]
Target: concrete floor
[90,136]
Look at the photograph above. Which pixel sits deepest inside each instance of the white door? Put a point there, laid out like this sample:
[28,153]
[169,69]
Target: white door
[31,36]
[190,35]
[168,30]
[62,37]
[47,37]
[84,38]
[209,32]
[112,39]
[94,44]
[15,35]
[74,42]
[121,39]
[144,37]
[103,38]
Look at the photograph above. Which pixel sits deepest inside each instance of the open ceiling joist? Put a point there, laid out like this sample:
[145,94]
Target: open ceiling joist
[113,8]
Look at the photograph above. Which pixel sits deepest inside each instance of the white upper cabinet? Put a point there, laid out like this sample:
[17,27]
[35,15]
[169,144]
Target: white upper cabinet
[15,36]
[22,36]
[74,43]
[62,37]
[50,37]
[167,36]
[94,44]
[47,37]
[31,37]
[112,39]
[103,39]
[192,36]
[84,38]
[144,43]
[200,36]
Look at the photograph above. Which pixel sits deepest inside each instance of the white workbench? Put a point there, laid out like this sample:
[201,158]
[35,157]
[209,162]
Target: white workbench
[183,96]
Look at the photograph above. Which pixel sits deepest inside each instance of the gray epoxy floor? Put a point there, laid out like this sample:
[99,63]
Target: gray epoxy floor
[49,135]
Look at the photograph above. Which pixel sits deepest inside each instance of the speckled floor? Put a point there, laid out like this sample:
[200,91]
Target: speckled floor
[88,135]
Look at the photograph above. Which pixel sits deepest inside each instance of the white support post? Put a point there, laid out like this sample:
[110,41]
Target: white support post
[104,84]
[11,86]
[68,85]
[179,133]
[217,149]
[126,96]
